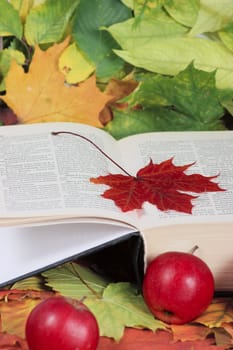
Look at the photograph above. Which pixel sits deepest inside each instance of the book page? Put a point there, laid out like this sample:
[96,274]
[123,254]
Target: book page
[42,175]
[31,249]
[212,153]
[46,175]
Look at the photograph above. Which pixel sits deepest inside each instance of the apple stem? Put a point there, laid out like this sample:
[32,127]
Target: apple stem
[93,144]
[84,282]
[193,250]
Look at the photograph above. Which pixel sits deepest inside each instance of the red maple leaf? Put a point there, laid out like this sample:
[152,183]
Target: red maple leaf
[163,185]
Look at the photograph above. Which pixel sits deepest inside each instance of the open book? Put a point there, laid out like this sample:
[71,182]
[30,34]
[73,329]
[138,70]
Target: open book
[51,212]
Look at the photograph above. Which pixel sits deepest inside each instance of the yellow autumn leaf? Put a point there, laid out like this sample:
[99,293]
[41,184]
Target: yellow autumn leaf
[15,307]
[41,95]
[6,56]
[74,65]
[219,311]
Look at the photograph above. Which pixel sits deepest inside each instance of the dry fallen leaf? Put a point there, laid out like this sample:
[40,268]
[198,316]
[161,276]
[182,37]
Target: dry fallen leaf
[121,88]
[136,339]
[16,304]
[222,337]
[219,312]
[15,307]
[228,328]
[190,332]
[12,342]
[41,95]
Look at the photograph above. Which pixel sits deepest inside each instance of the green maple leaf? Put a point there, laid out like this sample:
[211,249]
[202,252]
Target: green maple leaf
[115,305]
[75,281]
[188,101]
[131,122]
[121,306]
[192,92]
[33,283]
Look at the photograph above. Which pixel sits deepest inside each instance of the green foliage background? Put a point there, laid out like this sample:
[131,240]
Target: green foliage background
[180,53]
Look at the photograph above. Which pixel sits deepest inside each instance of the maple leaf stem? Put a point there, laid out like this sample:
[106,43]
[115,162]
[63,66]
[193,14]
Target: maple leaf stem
[95,145]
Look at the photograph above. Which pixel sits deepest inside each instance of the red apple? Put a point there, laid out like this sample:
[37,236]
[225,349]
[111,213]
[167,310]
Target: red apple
[58,323]
[177,287]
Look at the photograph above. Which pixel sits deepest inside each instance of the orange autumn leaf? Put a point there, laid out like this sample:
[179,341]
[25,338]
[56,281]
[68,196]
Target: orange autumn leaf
[189,332]
[219,311]
[41,94]
[228,328]
[222,337]
[136,339]
[15,308]
[12,342]
[120,88]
